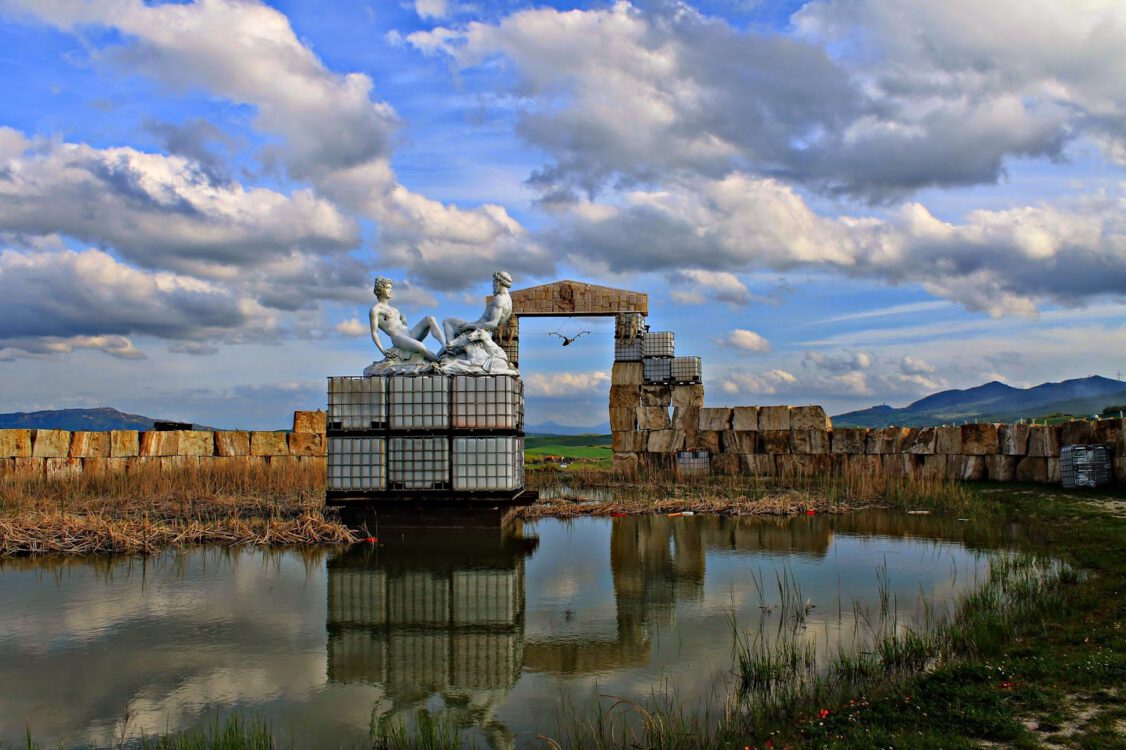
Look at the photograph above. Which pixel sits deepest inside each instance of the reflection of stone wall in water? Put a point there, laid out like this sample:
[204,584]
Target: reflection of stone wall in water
[441,614]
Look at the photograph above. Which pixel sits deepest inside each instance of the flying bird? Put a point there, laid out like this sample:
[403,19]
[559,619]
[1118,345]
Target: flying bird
[568,341]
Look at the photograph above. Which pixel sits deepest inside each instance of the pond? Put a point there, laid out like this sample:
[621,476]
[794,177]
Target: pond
[494,629]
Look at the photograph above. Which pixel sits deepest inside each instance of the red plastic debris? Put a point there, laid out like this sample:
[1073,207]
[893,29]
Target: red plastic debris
[371,540]
[618,515]
[811,512]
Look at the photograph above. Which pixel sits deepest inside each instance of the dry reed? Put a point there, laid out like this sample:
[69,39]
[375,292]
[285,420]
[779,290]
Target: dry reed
[574,493]
[146,509]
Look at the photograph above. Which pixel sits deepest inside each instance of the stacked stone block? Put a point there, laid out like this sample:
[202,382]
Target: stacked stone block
[60,454]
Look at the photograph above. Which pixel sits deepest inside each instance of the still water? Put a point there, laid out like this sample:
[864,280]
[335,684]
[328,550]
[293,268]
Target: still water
[492,628]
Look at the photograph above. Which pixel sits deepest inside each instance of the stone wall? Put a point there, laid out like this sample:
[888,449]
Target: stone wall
[652,423]
[33,454]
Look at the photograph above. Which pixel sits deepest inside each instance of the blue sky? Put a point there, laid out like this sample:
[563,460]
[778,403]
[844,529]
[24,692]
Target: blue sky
[845,203]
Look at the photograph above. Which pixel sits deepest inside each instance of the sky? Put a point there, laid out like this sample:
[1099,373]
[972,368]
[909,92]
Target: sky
[842,202]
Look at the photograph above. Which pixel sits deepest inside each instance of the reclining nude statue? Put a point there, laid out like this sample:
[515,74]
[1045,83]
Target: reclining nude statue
[467,347]
[406,348]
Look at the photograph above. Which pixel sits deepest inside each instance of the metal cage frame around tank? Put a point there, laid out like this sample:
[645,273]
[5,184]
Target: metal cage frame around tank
[458,418]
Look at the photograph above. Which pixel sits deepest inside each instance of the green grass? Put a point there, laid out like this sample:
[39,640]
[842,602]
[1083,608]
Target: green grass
[590,447]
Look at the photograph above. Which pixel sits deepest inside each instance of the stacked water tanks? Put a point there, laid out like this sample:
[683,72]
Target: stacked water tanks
[432,435]
[656,350]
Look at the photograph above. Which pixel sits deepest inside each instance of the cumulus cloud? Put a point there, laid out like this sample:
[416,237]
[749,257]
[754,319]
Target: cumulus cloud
[875,98]
[837,363]
[748,341]
[91,300]
[48,346]
[696,287]
[914,366]
[770,383]
[162,211]
[999,261]
[566,383]
[352,327]
[332,132]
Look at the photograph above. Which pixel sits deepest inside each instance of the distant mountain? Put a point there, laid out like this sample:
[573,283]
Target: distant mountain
[554,428]
[994,402]
[94,420]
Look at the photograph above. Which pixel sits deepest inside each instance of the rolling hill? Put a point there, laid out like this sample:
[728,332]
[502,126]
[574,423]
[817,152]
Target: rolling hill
[994,402]
[95,420]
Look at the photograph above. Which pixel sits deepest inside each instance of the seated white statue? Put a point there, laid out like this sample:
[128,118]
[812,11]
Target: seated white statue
[406,342]
[496,314]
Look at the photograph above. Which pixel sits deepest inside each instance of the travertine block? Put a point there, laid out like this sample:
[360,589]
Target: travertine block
[920,441]
[1077,432]
[624,420]
[310,422]
[809,441]
[281,461]
[306,444]
[970,468]
[1013,439]
[268,444]
[704,440]
[899,464]
[196,443]
[320,462]
[886,440]
[758,464]
[1119,468]
[745,418]
[653,418]
[63,468]
[163,443]
[625,463]
[172,464]
[980,440]
[627,373]
[1031,469]
[15,443]
[803,465]
[625,396]
[715,418]
[867,464]
[773,418]
[118,465]
[934,466]
[621,441]
[656,395]
[775,442]
[94,467]
[726,463]
[1044,441]
[85,444]
[740,441]
[948,441]
[809,418]
[1108,431]
[1054,471]
[1001,468]
[124,443]
[232,443]
[50,443]
[686,418]
[664,441]
[849,440]
[690,396]
[26,467]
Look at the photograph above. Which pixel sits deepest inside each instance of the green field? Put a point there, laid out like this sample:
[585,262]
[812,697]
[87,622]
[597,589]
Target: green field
[569,446]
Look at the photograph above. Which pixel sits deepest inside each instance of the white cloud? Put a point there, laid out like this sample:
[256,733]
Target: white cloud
[748,341]
[839,363]
[696,287]
[914,366]
[431,8]
[163,211]
[352,327]
[566,383]
[771,382]
[49,346]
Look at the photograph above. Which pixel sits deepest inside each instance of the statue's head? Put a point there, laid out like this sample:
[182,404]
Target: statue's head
[382,287]
[501,280]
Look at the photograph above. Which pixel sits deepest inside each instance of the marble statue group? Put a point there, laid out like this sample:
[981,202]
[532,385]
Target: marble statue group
[466,347]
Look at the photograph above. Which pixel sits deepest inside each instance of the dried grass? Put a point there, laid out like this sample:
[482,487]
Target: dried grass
[147,509]
[576,493]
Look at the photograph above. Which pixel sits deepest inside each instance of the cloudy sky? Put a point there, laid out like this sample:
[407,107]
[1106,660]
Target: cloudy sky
[846,202]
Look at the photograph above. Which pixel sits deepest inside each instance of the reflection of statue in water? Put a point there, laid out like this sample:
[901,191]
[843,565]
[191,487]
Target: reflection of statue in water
[406,343]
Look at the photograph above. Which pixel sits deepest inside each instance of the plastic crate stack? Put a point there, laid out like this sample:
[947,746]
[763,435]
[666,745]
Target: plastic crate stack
[1085,466]
[452,435]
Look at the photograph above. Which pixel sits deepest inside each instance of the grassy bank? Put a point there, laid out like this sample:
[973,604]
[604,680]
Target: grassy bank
[148,510]
[568,494]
